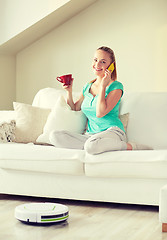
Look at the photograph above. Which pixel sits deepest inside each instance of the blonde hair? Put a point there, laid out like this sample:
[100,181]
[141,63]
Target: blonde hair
[112,56]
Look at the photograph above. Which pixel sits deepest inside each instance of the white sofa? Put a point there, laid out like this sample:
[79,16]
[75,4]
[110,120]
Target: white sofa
[120,176]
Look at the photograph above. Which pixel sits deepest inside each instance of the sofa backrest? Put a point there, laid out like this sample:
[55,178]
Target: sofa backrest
[147,114]
[147,118]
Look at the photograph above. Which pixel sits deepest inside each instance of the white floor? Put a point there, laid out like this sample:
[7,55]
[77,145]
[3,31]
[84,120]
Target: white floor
[88,220]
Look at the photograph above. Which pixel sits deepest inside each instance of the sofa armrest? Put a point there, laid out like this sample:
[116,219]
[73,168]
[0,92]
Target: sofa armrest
[7,116]
[7,126]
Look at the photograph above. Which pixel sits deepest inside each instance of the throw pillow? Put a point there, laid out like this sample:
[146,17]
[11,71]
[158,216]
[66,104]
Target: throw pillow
[124,119]
[7,131]
[29,122]
[63,118]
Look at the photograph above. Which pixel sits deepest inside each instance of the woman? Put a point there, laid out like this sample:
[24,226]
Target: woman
[100,102]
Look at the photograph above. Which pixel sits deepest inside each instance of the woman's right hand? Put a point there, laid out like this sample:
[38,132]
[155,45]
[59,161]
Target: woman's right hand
[68,88]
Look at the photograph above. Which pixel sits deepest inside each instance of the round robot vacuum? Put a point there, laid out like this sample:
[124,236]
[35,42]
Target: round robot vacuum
[42,213]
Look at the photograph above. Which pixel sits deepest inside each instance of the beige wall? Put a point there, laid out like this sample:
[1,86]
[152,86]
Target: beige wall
[135,29]
[7,80]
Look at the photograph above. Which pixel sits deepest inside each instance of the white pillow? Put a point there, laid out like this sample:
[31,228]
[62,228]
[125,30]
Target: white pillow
[47,97]
[63,118]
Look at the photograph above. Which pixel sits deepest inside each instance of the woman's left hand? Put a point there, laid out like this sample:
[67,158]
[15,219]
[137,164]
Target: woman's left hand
[106,79]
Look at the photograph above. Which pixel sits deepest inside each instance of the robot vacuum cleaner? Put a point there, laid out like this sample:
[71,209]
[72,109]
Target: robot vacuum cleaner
[42,213]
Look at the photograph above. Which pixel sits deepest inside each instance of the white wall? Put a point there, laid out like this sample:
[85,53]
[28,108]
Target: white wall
[8,81]
[135,29]
[18,15]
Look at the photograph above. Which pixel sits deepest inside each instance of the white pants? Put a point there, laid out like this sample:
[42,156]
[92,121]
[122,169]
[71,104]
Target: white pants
[112,139]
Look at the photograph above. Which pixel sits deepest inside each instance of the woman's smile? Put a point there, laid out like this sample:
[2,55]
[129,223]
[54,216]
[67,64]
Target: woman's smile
[98,69]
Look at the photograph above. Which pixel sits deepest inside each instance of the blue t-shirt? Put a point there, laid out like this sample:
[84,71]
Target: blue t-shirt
[88,107]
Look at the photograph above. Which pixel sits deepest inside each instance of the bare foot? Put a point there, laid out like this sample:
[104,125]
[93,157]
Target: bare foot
[129,146]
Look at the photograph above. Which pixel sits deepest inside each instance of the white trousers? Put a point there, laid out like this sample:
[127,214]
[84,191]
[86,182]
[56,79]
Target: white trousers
[112,139]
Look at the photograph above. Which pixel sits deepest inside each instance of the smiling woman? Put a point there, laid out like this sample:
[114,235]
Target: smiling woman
[109,54]
[99,101]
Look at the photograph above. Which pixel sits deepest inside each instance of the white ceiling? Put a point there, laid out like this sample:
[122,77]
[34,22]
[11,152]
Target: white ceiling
[44,26]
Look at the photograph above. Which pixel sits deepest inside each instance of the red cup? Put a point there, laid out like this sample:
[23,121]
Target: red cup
[65,79]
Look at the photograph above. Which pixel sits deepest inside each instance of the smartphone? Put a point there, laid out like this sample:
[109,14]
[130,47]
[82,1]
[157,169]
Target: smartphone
[111,67]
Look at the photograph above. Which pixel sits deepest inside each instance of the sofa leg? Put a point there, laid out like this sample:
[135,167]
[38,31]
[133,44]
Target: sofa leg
[164,227]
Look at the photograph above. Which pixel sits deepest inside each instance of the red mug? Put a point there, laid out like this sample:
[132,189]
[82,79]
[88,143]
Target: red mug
[65,79]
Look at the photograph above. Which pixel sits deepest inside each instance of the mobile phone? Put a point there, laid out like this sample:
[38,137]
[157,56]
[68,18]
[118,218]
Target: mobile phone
[111,67]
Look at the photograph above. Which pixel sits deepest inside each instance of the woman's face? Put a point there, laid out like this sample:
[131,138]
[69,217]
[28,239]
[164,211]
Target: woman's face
[101,61]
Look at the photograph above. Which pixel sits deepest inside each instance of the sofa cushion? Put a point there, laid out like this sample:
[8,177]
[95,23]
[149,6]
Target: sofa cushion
[37,158]
[147,114]
[127,164]
[147,118]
